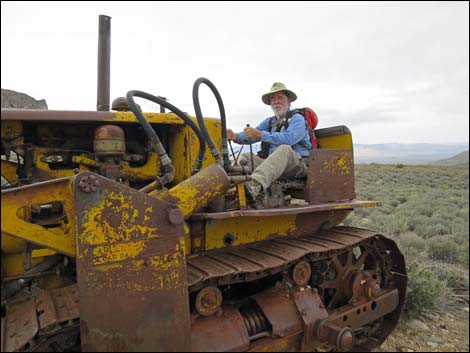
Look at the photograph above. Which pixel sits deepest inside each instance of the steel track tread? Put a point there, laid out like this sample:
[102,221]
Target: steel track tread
[253,261]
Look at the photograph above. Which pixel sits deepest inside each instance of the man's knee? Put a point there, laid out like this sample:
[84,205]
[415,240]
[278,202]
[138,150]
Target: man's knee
[284,148]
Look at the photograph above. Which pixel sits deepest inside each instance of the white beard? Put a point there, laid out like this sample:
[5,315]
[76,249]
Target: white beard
[280,113]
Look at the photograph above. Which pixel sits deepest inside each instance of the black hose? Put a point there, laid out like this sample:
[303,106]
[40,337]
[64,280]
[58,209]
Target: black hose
[151,133]
[202,125]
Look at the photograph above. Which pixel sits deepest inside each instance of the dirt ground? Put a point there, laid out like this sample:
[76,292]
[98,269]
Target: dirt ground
[432,332]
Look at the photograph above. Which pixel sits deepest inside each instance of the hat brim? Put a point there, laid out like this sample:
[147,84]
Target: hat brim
[266,98]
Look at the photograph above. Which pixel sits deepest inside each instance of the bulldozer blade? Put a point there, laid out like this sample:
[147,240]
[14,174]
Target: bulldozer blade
[131,269]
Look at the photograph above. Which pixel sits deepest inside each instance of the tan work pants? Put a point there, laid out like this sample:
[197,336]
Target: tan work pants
[283,163]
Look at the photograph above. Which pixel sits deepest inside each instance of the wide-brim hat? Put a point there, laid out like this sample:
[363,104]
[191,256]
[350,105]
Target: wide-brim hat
[278,87]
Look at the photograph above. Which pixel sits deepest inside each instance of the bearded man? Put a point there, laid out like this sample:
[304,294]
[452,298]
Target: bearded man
[284,149]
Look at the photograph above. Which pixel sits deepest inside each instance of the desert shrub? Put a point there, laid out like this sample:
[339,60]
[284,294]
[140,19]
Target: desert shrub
[432,228]
[416,221]
[399,166]
[443,248]
[427,201]
[410,240]
[455,278]
[394,203]
[402,199]
[425,290]
[464,257]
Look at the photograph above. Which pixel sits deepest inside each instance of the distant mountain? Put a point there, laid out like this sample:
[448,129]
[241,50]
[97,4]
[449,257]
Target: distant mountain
[393,153]
[417,153]
[461,158]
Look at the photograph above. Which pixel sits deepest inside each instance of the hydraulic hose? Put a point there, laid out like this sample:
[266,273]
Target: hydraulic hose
[224,160]
[154,140]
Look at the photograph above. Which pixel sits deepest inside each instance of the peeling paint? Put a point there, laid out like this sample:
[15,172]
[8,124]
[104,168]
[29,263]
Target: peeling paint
[117,252]
[100,227]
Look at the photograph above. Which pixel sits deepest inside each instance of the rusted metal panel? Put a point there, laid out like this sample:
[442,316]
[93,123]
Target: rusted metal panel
[240,264]
[258,256]
[56,307]
[223,332]
[291,210]
[280,311]
[281,251]
[331,176]
[19,327]
[247,230]
[55,115]
[248,262]
[358,315]
[311,310]
[85,115]
[210,266]
[285,344]
[131,271]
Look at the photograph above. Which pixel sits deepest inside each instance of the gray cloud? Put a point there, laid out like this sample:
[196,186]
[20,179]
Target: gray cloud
[367,64]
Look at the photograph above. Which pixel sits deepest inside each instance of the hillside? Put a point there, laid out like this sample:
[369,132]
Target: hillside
[425,210]
[461,158]
[13,99]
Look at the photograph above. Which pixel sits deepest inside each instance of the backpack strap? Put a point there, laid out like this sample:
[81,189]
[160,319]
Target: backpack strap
[264,152]
[290,114]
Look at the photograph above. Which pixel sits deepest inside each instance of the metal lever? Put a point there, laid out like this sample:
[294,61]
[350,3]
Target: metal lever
[251,152]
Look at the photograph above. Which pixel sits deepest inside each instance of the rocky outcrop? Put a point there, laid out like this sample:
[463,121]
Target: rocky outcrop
[13,99]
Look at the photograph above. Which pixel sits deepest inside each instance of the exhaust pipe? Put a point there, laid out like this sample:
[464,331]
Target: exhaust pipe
[104,63]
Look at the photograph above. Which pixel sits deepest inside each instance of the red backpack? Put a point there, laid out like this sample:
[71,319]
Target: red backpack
[312,122]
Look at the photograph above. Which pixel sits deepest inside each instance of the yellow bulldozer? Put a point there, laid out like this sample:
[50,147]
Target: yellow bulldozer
[121,231]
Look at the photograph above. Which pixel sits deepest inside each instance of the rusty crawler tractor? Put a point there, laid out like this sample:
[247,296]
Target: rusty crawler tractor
[120,232]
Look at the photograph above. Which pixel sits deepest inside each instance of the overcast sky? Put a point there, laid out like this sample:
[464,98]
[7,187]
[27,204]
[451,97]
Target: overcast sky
[391,72]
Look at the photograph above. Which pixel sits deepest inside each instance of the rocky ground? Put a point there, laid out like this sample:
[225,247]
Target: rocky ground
[433,332]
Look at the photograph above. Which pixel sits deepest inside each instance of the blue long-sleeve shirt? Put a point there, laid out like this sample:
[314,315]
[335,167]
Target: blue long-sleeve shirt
[296,135]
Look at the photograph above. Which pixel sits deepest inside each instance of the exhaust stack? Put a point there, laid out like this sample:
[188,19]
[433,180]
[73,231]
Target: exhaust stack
[104,63]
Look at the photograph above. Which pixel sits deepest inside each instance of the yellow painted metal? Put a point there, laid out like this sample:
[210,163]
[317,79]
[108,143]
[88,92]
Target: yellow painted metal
[11,130]
[148,171]
[241,196]
[39,154]
[340,163]
[98,231]
[197,191]
[117,233]
[152,118]
[214,129]
[11,245]
[13,264]
[40,253]
[9,171]
[84,162]
[336,142]
[246,230]
[187,238]
[16,210]
[184,147]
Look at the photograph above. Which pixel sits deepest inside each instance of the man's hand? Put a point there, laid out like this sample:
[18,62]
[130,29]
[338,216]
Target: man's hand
[252,132]
[231,135]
